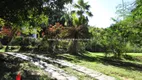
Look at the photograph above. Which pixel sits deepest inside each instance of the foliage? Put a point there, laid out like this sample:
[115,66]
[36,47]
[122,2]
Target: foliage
[5,40]
[53,31]
[78,34]
[27,41]
[124,33]
[15,11]
[42,46]
[108,40]
[10,66]
[17,41]
[79,22]
[94,45]
[123,10]
[131,25]
[1,22]
[83,11]
[51,34]
[30,14]
[20,10]
[1,46]
[55,9]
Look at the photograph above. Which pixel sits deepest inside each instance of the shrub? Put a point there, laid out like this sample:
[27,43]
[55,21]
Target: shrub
[17,41]
[24,41]
[4,40]
[42,46]
[1,46]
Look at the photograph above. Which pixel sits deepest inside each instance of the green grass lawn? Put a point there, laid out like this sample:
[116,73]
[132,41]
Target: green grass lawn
[3,49]
[129,68]
[11,48]
[134,54]
[80,76]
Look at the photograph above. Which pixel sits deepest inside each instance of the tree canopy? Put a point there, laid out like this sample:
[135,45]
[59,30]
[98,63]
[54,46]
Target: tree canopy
[17,10]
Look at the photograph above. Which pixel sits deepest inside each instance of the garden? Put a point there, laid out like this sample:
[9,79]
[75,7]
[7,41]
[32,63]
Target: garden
[44,40]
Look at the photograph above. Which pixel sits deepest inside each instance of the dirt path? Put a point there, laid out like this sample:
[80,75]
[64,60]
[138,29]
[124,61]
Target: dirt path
[58,73]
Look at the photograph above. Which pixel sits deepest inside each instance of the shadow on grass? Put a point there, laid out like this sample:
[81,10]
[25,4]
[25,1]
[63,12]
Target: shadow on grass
[122,64]
[10,66]
[75,58]
[104,60]
[132,58]
[101,59]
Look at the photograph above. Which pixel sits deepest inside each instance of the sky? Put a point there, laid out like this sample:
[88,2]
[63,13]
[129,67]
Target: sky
[103,11]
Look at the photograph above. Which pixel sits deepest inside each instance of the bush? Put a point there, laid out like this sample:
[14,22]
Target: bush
[17,41]
[24,41]
[1,46]
[42,46]
[4,40]
[28,44]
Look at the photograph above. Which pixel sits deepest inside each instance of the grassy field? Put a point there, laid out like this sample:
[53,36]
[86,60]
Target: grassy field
[128,68]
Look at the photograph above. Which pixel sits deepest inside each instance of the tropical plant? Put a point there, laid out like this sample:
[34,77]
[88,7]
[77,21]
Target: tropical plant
[79,28]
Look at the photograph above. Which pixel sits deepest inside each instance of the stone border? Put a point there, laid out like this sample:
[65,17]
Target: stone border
[54,72]
[89,72]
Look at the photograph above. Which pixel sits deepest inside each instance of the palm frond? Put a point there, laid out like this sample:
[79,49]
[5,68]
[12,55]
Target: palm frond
[75,19]
[89,14]
[77,6]
[81,2]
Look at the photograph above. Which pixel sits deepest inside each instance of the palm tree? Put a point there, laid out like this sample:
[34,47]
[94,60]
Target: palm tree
[80,23]
[83,8]
[78,34]
[76,24]
[82,11]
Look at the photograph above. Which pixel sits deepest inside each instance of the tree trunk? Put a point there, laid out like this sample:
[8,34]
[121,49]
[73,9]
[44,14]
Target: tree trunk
[13,32]
[51,46]
[7,46]
[74,47]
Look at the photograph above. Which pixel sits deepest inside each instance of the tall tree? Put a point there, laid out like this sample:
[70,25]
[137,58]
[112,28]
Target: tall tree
[17,10]
[79,25]
[29,13]
[83,11]
[137,23]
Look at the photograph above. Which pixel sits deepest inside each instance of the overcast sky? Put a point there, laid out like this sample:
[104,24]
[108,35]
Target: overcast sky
[103,11]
